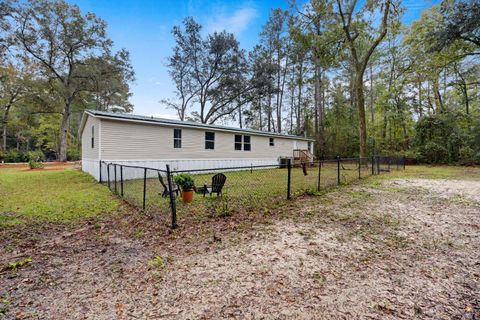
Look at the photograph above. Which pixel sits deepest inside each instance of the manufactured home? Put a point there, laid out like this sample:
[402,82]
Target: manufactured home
[184,145]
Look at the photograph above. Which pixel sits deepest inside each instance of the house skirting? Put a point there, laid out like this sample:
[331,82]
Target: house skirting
[93,166]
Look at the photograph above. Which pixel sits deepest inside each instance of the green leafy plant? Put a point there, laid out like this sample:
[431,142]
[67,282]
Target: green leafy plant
[466,156]
[156,262]
[14,155]
[73,154]
[19,264]
[4,303]
[35,159]
[185,181]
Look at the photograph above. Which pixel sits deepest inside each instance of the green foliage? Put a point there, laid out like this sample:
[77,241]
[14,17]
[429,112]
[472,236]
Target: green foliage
[432,152]
[4,303]
[156,262]
[14,155]
[466,156]
[73,154]
[443,138]
[185,181]
[35,164]
[37,156]
[35,159]
[13,266]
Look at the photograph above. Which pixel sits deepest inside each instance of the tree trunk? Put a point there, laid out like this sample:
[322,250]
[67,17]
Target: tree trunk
[299,103]
[420,107]
[240,117]
[465,94]
[260,113]
[292,106]
[64,132]
[269,114]
[437,96]
[318,104]
[4,127]
[362,125]
[372,112]
[280,105]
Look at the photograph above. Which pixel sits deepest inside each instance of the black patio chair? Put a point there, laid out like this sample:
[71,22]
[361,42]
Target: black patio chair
[218,181]
[165,192]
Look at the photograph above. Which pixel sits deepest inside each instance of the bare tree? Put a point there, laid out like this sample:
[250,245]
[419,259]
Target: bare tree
[213,73]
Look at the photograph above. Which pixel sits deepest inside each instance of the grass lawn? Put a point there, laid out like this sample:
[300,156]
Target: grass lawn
[50,195]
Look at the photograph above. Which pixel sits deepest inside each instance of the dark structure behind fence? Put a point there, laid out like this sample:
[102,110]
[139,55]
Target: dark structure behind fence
[246,188]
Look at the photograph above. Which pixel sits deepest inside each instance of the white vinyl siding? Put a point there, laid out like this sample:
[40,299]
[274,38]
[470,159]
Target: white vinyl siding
[89,146]
[121,140]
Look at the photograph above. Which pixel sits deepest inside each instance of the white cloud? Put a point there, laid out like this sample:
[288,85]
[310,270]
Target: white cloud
[235,23]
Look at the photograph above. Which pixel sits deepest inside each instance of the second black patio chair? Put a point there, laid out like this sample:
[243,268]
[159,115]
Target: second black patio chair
[218,181]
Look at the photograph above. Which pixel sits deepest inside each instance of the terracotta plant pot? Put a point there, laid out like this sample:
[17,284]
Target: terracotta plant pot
[187,196]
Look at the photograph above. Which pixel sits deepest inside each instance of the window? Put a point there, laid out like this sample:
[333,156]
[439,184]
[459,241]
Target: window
[177,138]
[272,142]
[93,137]
[209,140]
[246,143]
[238,142]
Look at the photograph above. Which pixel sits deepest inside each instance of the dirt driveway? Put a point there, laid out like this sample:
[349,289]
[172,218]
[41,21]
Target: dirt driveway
[393,249]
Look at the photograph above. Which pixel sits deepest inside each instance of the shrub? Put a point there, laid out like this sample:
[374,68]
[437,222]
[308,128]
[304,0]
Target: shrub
[36,156]
[35,164]
[439,137]
[434,153]
[35,159]
[14,156]
[476,158]
[466,156]
[73,154]
[185,181]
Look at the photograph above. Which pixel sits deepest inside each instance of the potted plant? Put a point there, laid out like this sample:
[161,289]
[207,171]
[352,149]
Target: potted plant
[185,181]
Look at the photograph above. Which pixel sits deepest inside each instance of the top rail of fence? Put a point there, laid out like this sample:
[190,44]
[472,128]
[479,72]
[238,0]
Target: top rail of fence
[277,165]
[130,166]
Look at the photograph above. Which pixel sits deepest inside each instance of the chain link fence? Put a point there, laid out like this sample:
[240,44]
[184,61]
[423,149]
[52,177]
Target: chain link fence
[224,191]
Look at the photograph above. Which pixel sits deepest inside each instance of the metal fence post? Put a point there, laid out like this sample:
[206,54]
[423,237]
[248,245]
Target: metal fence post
[338,170]
[121,180]
[378,164]
[359,168]
[144,186]
[108,175]
[404,159]
[289,178]
[173,205]
[115,176]
[100,173]
[319,174]
[373,165]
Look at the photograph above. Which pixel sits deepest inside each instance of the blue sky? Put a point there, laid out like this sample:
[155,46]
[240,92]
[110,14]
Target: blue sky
[143,27]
